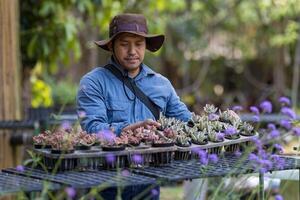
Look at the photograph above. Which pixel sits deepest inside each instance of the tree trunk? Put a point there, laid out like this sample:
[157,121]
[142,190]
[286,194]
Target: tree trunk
[9,78]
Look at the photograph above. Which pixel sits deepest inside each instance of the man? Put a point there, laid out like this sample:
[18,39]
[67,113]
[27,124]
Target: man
[110,96]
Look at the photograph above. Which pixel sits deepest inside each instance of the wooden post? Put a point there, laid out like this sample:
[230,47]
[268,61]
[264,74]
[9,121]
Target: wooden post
[9,78]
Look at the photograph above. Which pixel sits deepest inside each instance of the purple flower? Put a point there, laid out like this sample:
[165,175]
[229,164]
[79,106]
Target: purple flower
[230,131]
[271,126]
[285,101]
[255,118]
[286,124]
[288,112]
[110,158]
[253,157]
[201,153]
[266,106]
[237,108]
[213,117]
[278,147]
[125,172]
[278,162]
[71,192]
[66,125]
[267,164]
[237,153]
[254,109]
[296,131]
[213,158]
[278,197]
[220,136]
[107,135]
[263,170]
[137,159]
[20,168]
[274,133]
[154,192]
[204,160]
[257,141]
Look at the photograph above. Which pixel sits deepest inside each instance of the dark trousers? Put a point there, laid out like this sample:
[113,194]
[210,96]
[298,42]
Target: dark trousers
[137,192]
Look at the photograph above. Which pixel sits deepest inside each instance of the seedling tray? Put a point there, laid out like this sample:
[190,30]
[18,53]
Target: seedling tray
[227,165]
[212,145]
[11,183]
[86,179]
[95,158]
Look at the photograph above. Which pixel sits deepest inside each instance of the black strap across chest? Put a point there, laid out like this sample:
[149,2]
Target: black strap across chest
[136,90]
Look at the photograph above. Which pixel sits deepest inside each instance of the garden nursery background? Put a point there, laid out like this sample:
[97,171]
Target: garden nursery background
[227,53]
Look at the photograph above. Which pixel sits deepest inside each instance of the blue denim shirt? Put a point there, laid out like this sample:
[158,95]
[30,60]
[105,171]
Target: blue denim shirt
[102,99]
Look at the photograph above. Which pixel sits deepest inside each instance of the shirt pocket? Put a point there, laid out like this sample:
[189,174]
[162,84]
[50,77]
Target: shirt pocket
[117,111]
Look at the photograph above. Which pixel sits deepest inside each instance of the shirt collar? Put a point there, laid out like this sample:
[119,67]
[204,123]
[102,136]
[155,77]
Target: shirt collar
[145,70]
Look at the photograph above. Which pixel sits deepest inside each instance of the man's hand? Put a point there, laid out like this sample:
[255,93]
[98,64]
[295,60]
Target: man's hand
[148,124]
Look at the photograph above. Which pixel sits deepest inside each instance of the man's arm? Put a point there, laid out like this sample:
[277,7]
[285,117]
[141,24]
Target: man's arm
[92,110]
[176,108]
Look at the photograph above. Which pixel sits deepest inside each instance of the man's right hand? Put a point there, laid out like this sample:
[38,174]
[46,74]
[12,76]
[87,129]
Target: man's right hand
[148,124]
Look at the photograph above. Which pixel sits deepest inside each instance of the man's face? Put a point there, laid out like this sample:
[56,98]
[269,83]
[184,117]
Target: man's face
[130,49]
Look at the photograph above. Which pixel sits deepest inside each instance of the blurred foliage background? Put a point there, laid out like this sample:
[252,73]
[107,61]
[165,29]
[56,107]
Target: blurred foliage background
[222,52]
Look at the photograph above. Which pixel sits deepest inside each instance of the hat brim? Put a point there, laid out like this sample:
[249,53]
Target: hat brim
[153,42]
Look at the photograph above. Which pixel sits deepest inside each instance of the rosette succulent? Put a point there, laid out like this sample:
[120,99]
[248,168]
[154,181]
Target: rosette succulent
[229,116]
[210,109]
[246,129]
[183,140]
[214,136]
[199,137]
[62,140]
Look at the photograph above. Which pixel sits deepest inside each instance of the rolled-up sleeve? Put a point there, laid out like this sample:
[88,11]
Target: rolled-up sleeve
[92,110]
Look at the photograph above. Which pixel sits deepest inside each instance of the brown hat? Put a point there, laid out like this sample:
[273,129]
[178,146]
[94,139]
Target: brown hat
[131,23]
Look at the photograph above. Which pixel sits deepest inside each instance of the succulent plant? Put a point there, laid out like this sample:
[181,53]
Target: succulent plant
[229,116]
[210,109]
[214,136]
[183,140]
[231,132]
[246,129]
[43,138]
[199,137]
[85,139]
[170,123]
[62,140]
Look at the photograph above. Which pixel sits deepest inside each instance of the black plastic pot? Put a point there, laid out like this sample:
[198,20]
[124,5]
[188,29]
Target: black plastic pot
[113,148]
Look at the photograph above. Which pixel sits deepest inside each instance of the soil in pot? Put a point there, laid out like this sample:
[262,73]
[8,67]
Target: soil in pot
[114,148]
[42,146]
[169,144]
[60,151]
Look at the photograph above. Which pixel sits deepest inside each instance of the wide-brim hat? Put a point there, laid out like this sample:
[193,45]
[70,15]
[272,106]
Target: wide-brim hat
[135,24]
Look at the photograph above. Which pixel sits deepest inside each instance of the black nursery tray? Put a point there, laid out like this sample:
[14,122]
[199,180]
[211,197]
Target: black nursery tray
[210,145]
[98,152]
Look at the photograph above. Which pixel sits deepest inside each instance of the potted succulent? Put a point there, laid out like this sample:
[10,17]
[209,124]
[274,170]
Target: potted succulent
[199,138]
[42,140]
[215,137]
[182,140]
[229,116]
[166,138]
[62,142]
[232,133]
[133,137]
[246,129]
[149,136]
[116,144]
[84,141]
